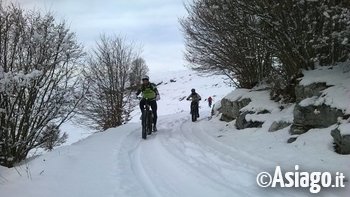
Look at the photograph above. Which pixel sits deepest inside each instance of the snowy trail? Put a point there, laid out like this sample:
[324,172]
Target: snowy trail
[181,159]
[175,162]
[161,170]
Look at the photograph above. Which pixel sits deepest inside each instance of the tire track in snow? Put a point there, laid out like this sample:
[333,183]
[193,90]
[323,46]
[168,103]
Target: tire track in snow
[158,173]
[236,174]
[175,176]
[140,172]
[133,180]
[244,161]
[196,157]
[176,162]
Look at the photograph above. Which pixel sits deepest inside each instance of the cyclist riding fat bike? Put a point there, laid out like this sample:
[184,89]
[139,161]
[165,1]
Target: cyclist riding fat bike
[195,99]
[149,91]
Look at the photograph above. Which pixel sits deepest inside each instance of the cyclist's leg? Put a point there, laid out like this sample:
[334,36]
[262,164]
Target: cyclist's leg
[142,104]
[154,111]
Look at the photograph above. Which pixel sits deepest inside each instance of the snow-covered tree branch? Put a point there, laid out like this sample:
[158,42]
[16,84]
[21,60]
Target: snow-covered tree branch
[39,82]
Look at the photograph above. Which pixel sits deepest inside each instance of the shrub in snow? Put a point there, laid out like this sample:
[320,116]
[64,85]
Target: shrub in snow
[111,90]
[38,81]
[52,137]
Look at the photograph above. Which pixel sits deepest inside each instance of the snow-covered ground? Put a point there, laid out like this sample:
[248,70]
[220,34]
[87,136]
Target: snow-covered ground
[206,158]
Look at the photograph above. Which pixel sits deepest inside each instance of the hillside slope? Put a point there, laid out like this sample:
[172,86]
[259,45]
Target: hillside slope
[205,158]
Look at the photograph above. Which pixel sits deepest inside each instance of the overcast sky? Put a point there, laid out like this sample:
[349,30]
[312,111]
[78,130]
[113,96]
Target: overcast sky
[153,23]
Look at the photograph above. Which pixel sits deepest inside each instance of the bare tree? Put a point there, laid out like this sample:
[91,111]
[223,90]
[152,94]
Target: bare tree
[108,76]
[301,35]
[218,40]
[139,68]
[39,63]
[266,40]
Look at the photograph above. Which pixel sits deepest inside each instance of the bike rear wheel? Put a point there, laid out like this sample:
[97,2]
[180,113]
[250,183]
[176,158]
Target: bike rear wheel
[194,117]
[194,114]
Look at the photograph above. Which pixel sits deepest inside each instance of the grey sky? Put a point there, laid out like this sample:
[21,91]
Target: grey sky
[153,23]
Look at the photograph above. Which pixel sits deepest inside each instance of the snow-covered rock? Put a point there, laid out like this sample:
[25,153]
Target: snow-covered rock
[253,108]
[242,123]
[231,109]
[308,91]
[323,100]
[324,97]
[278,125]
[337,79]
[311,116]
[341,142]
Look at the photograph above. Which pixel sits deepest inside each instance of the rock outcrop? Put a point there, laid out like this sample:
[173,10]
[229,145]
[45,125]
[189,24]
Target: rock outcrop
[303,92]
[308,117]
[341,142]
[278,125]
[312,116]
[230,110]
[242,123]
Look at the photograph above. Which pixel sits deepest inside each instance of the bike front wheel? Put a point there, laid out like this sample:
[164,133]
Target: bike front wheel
[149,123]
[144,126]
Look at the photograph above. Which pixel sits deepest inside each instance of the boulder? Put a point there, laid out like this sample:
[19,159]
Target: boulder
[275,126]
[265,111]
[291,140]
[341,142]
[314,89]
[242,123]
[307,117]
[230,109]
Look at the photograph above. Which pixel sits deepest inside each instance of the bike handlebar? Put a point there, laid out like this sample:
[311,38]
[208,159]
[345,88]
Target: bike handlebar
[193,100]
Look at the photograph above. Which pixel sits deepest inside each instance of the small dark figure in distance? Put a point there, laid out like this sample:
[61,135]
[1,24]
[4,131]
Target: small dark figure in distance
[210,101]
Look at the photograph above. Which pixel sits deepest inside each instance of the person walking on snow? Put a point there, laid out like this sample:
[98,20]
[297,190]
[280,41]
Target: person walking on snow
[195,99]
[210,100]
[149,91]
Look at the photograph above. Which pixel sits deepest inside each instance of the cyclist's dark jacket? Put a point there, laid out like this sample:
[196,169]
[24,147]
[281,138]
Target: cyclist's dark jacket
[195,97]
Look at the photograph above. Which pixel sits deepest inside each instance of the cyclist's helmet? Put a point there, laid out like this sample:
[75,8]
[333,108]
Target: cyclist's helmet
[193,90]
[145,78]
